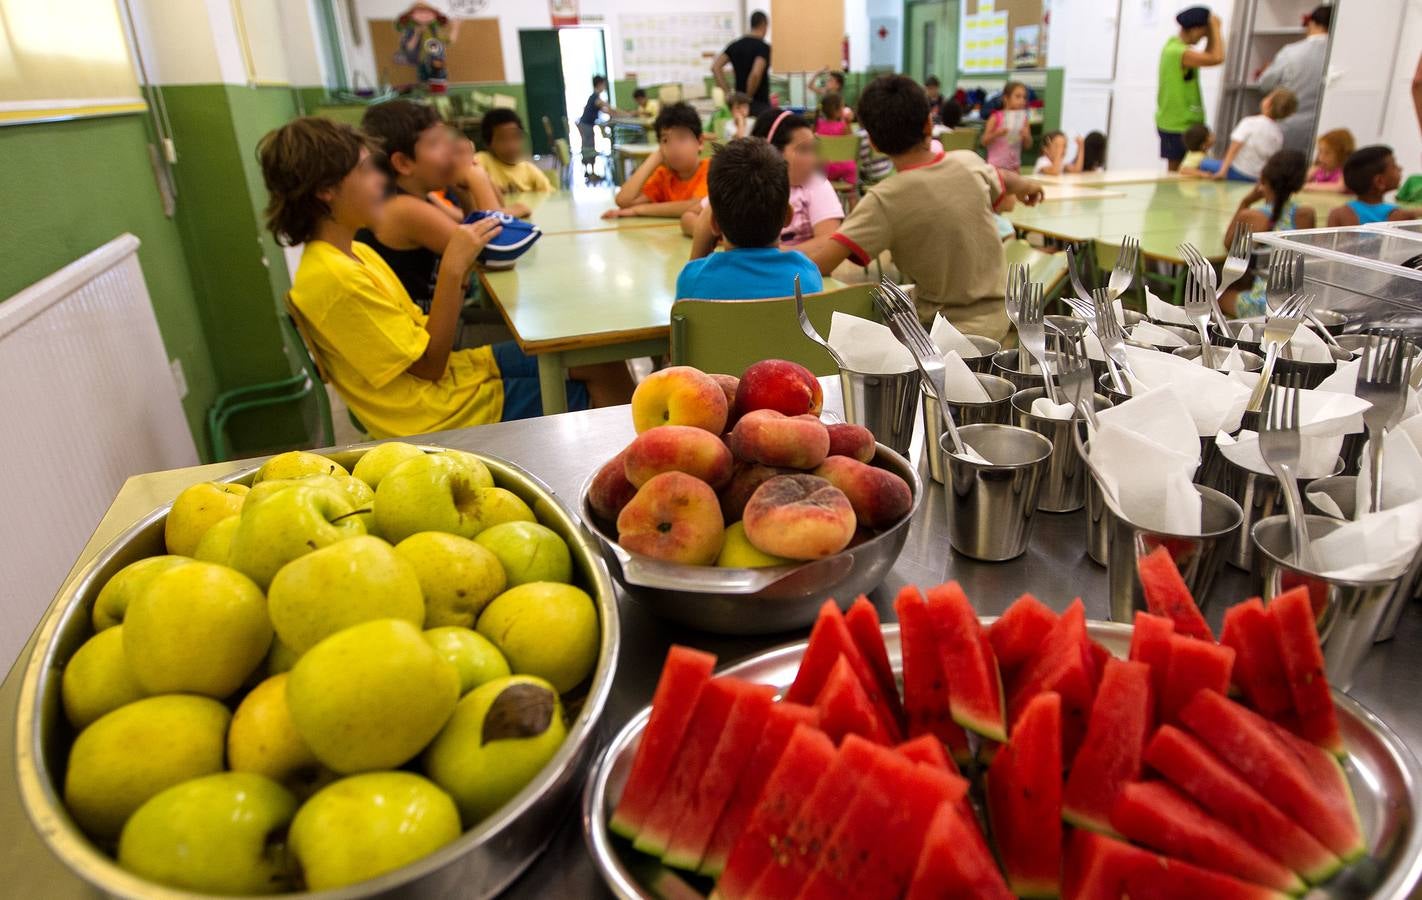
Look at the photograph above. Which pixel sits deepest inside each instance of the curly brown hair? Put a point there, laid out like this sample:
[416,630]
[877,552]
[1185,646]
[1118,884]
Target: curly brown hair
[298,160]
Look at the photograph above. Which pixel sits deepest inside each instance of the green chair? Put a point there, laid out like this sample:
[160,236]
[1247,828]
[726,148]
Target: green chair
[1048,268]
[959,139]
[729,335]
[835,148]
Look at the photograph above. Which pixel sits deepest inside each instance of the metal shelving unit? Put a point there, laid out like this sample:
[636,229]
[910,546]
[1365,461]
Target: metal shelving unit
[1257,31]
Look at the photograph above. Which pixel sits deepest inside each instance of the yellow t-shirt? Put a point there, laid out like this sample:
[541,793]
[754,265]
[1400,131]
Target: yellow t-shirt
[368,332]
[521,176]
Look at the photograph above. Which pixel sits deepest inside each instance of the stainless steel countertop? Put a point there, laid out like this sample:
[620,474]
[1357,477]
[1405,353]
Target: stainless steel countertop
[563,450]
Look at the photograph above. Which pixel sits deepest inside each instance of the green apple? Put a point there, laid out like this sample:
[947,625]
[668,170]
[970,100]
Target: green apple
[198,629]
[437,492]
[118,592]
[290,523]
[348,582]
[198,508]
[218,834]
[457,576]
[366,825]
[97,679]
[216,543]
[379,460]
[471,465]
[528,552]
[500,737]
[137,750]
[473,657]
[263,739]
[297,464]
[280,658]
[371,696]
[544,629]
[361,496]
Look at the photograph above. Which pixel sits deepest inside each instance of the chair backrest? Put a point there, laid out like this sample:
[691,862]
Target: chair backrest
[548,130]
[729,335]
[959,139]
[1048,268]
[838,147]
[669,93]
[296,327]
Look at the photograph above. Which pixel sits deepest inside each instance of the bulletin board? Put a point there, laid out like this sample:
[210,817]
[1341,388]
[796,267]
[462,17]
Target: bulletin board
[474,54]
[45,76]
[674,48]
[1010,20]
[806,35]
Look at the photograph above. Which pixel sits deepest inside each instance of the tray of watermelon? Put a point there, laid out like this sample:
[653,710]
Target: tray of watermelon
[1035,754]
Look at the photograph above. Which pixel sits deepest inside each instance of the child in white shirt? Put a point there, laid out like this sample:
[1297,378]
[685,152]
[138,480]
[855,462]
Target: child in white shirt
[1254,139]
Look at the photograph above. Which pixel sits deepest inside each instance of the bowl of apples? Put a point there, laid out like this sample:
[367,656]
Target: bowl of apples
[373,672]
[736,510]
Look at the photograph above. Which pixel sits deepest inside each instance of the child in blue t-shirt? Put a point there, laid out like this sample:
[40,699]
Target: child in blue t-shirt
[749,205]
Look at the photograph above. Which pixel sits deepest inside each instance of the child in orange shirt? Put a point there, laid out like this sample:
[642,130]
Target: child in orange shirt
[673,179]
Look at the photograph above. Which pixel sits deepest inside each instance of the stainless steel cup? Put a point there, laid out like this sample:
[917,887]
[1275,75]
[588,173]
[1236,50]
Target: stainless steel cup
[991,505]
[1190,336]
[884,404]
[1105,388]
[1098,522]
[1018,367]
[996,411]
[982,360]
[1349,613]
[1064,485]
[1253,362]
[1198,555]
[1259,497]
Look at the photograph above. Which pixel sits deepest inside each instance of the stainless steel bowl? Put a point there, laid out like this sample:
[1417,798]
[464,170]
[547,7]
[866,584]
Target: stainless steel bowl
[757,601]
[481,863]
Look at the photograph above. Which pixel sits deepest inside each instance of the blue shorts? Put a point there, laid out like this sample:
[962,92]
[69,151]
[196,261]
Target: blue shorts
[523,398]
[1172,145]
[1213,165]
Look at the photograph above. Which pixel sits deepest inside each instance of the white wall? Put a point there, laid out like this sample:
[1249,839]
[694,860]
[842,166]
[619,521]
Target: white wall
[1369,92]
[189,41]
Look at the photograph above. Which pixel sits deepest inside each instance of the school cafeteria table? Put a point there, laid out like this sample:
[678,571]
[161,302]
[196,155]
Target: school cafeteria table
[563,212]
[564,451]
[634,153]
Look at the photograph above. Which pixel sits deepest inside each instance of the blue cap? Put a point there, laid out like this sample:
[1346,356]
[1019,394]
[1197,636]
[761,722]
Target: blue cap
[510,243]
[1194,17]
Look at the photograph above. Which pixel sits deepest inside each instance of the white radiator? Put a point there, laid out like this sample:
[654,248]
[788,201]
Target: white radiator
[86,400]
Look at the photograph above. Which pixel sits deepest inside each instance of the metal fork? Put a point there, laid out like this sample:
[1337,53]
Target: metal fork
[1279,328]
[1032,334]
[1280,445]
[1383,373]
[1113,340]
[1124,272]
[1237,263]
[902,319]
[1196,262]
[1086,308]
[809,329]
[1285,278]
[1074,376]
[1198,306]
[1017,278]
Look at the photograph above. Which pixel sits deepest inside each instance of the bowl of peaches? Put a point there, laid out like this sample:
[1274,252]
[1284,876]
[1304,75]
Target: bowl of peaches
[738,510]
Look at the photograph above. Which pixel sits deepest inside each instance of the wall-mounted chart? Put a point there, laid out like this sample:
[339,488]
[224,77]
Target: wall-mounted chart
[665,48]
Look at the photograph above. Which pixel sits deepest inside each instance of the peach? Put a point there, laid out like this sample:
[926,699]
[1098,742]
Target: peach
[774,439]
[799,517]
[854,441]
[744,480]
[674,517]
[729,385]
[680,395]
[781,385]
[610,490]
[879,497]
[678,448]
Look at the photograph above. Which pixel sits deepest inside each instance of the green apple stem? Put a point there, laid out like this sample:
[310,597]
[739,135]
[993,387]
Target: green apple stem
[354,512]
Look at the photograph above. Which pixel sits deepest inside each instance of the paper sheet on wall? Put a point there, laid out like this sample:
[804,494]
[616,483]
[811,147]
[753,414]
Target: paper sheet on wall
[984,42]
[674,48]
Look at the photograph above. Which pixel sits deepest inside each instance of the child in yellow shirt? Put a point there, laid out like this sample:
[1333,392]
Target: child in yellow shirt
[503,135]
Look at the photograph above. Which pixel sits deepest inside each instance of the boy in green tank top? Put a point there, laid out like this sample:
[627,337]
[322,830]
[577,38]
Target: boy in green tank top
[1177,100]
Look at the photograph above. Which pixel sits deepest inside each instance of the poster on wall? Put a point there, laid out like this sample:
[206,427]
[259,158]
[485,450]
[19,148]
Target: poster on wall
[563,12]
[674,48]
[1026,49]
[984,42]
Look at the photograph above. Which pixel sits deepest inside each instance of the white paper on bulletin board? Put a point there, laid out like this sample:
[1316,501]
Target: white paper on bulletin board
[983,42]
[674,48]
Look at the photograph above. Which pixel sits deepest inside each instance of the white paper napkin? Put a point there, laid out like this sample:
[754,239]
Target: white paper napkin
[1379,545]
[867,346]
[1231,361]
[1161,311]
[1215,400]
[1401,466]
[1344,380]
[1044,408]
[1115,304]
[948,338]
[1317,456]
[1304,346]
[1094,350]
[1159,496]
[1154,335]
[960,383]
[1325,502]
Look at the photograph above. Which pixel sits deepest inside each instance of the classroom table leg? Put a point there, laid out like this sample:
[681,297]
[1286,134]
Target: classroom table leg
[552,385]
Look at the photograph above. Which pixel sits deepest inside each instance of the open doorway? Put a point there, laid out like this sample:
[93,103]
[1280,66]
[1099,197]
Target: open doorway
[584,55]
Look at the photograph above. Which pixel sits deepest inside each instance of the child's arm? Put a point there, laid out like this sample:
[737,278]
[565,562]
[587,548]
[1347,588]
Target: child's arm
[666,209]
[1228,160]
[757,73]
[823,229]
[1026,129]
[703,237]
[441,204]
[460,252]
[1075,165]
[1024,189]
[630,194]
[1255,194]
[991,131]
[818,90]
[1402,215]
[1342,216]
[412,220]
[1305,217]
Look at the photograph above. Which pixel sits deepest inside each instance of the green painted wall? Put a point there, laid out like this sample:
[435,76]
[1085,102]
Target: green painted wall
[69,187]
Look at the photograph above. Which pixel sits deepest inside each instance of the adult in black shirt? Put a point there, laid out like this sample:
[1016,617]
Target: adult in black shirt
[749,58]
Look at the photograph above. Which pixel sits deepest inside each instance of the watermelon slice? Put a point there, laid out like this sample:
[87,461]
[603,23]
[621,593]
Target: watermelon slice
[845,709]
[807,838]
[1258,667]
[1019,632]
[684,674]
[1150,644]
[1166,594]
[780,724]
[1195,665]
[1100,867]
[862,620]
[1244,740]
[975,691]
[1302,654]
[1157,815]
[1063,664]
[697,747]
[697,821]
[1325,770]
[1099,657]
[955,862]
[1110,757]
[808,756]
[829,638]
[1197,771]
[1024,800]
[925,686]
[928,750]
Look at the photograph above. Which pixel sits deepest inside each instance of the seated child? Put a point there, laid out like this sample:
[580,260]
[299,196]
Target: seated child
[950,113]
[646,108]
[1371,173]
[1198,140]
[471,188]
[826,82]
[934,89]
[1004,149]
[503,134]
[741,122]
[395,366]
[935,216]
[1282,177]
[1052,160]
[1254,139]
[1093,151]
[1334,148]
[672,179]
[749,193]
[832,123]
